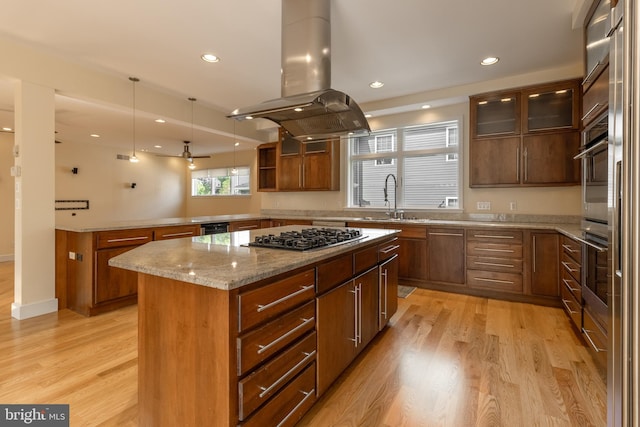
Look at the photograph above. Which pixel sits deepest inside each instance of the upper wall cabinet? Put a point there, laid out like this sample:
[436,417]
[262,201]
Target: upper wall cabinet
[525,136]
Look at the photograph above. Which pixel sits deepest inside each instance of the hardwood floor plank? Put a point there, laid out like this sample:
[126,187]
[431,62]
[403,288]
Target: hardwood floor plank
[445,360]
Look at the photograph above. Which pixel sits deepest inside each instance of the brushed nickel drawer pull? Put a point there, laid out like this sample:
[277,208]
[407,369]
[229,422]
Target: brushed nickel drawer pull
[247,227]
[509,251]
[389,249]
[267,390]
[591,74]
[566,306]
[186,233]
[482,279]
[306,394]
[593,344]
[493,236]
[263,348]
[569,249]
[383,273]
[494,264]
[591,110]
[446,234]
[127,239]
[568,284]
[568,267]
[263,307]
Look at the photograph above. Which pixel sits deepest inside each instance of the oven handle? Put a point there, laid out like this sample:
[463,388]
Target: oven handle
[593,245]
[586,152]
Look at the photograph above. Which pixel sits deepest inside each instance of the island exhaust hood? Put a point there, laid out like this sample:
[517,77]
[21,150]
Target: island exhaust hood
[308,109]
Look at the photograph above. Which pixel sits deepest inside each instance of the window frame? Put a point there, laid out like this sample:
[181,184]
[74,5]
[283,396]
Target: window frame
[398,159]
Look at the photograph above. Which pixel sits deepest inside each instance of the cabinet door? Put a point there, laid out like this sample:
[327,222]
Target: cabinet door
[316,172]
[336,329]
[413,259]
[251,224]
[551,107]
[290,173]
[494,162]
[495,114]
[113,283]
[446,255]
[548,159]
[388,290]
[368,307]
[545,249]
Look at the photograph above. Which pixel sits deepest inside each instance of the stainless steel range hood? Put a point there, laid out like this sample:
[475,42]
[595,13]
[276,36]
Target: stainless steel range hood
[308,109]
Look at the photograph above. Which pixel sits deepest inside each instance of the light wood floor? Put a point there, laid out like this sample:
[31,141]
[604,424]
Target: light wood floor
[446,360]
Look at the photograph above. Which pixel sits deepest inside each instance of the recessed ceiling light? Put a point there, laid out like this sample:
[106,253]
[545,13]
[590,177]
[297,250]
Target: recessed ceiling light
[157,146]
[7,129]
[298,109]
[160,121]
[249,118]
[376,85]
[489,60]
[210,57]
[236,144]
[368,116]
[426,106]
[94,135]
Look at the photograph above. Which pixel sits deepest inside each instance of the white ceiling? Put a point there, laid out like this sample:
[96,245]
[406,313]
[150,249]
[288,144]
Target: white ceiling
[413,46]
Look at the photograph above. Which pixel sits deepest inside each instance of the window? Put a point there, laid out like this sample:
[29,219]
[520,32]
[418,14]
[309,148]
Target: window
[221,182]
[423,159]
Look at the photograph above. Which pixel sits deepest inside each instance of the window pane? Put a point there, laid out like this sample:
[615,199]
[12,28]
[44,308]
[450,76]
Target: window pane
[221,182]
[428,136]
[376,142]
[367,182]
[430,182]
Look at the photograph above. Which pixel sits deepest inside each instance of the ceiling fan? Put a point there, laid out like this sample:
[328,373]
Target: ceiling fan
[186,154]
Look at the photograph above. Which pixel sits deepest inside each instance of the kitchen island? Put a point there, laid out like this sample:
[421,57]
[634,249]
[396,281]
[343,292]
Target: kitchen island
[231,334]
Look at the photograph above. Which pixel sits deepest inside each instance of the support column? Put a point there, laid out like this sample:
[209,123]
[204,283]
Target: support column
[34,291]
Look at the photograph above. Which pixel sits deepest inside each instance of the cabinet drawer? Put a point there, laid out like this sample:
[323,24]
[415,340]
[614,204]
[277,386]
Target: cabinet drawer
[258,387]
[264,342]
[244,225]
[508,265]
[495,236]
[365,259]
[569,282]
[117,238]
[388,249]
[333,273]
[264,303]
[572,248]
[571,307]
[412,231]
[492,280]
[596,99]
[288,406]
[595,336]
[571,267]
[176,232]
[494,250]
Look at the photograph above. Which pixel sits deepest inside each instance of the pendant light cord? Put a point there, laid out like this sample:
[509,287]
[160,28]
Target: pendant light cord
[134,80]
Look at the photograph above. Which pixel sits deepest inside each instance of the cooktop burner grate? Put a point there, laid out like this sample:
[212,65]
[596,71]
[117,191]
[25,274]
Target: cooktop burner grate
[308,238]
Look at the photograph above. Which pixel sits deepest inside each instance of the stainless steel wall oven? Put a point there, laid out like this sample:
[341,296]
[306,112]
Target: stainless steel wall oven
[595,171]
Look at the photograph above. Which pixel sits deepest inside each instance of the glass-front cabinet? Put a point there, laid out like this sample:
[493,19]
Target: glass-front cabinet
[551,107]
[495,114]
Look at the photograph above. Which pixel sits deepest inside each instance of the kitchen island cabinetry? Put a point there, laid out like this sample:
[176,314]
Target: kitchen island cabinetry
[534,131]
[244,335]
[252,224]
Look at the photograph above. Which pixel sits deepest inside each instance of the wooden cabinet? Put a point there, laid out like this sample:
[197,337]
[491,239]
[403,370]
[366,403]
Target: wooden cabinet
[387,290]
[251,224]
[412,263]
[307,167]
[544,264]
[532,133]
[267,172]
[494,260]
[176,232]
[113,283]
[446,261]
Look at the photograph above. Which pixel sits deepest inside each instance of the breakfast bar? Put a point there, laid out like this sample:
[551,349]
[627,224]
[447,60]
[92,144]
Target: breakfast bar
[231,333]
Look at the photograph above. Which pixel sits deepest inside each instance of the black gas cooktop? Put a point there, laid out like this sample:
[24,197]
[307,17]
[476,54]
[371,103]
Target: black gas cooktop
[307,238]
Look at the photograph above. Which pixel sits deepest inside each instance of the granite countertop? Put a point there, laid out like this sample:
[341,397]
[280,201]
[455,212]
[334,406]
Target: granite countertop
[82,227]
[223,261]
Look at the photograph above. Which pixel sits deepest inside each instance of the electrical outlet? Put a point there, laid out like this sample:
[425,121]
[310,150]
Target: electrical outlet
[72,255]
[484,206]
[513,206]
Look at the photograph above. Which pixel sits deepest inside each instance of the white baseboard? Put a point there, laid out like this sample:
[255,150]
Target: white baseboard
[34,309]
[5,258]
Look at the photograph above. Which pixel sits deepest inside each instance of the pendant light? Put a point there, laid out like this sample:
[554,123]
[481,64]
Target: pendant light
[192,165]
[133,158]
[234,171]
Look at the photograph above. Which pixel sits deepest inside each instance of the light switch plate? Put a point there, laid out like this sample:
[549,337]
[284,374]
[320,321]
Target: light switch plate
[484,206]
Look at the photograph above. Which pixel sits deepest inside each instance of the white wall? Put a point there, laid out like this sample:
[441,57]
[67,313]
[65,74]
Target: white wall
[106,182]
[6,198]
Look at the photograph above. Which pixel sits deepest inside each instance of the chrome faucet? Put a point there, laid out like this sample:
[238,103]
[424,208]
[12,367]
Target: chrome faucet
[395,196]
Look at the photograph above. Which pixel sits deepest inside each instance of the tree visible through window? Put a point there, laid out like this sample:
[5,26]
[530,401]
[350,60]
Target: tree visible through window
[425,160]
[221,182]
